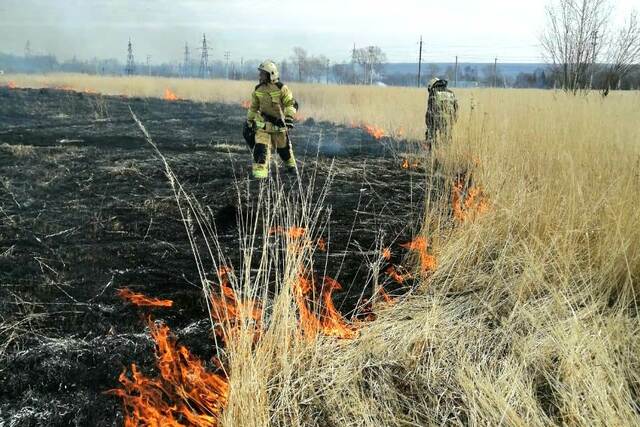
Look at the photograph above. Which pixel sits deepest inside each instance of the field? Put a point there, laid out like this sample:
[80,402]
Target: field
[527,315]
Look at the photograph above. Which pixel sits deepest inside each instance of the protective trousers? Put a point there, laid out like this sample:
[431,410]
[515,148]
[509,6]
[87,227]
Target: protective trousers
[438,133]
[265,142]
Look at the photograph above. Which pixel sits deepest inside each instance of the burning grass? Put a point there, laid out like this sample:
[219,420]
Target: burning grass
[141,300]
[185,393]
[530,317]
[169,95]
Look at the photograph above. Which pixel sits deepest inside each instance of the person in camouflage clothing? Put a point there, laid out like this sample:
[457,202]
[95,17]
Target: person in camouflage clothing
[442,112]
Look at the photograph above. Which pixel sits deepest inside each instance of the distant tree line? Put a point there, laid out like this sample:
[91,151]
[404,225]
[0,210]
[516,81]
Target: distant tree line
[367,65]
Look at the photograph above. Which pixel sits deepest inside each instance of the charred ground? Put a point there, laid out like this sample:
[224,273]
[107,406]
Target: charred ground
[86,209]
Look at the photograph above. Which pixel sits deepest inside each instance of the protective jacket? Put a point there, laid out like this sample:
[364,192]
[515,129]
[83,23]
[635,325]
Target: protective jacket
[442,109]
[269,103]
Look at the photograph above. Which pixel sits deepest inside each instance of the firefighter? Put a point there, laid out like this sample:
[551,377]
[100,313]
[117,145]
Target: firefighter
[270,117]
[442,112]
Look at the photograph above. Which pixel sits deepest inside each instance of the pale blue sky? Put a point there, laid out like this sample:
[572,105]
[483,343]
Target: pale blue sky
[476,31]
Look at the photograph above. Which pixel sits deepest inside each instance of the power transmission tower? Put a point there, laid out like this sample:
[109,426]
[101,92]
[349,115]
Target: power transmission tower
[186,67]
[455,73]
[495,73]
[227,56]
[204,59]
[420,61]
[131,66]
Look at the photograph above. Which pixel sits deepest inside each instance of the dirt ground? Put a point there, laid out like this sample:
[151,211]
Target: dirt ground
[86,209]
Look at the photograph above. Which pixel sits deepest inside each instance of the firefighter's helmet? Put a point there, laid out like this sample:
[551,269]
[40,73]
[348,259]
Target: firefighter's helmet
[436,82]
[270,68]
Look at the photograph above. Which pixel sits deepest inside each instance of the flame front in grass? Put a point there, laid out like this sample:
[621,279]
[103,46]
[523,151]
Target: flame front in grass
[467,206]
[420,245]
[169,95]
[141,300]
[185,393]
[388,299]
[395,276]
[374,131]
[318,314]
[11,85]
[246,104]
[292,232]
[386,254]
[417,244]
[230,312]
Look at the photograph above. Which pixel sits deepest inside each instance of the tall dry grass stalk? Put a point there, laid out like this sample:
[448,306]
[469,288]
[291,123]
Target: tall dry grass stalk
[531,317]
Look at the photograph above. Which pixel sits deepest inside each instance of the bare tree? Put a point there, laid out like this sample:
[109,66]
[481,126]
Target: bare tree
[372,60]
[624,53]
[301,61]
[574,37]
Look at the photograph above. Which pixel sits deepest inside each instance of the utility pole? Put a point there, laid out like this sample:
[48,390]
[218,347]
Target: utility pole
[455,73]
[495,73]
[242,68]
[420,61]
[149,65]
[27,49]
[204,59]
[186,67]
[227,56]
[131,66]
[328,71]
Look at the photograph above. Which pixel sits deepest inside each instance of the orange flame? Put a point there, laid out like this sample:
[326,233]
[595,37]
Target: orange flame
[169,95]
[11,85]
[246,104]
[420,244]
[388,299]
[141,300]
[320,316]
[417,244]
[470,206]
[374,131]
[405,164]
[292,232]
[185,392]
[231,312]
[322,245]
[386,253]
[395,276]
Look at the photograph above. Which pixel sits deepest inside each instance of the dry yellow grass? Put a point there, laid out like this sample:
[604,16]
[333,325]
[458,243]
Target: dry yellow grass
[531,317]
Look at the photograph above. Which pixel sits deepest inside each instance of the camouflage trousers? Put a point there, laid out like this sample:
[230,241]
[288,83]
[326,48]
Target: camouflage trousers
[437,135]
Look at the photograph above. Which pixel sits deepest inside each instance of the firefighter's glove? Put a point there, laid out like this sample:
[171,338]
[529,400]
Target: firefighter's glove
[288,121]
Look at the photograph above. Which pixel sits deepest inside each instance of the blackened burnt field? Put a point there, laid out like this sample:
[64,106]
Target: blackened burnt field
[86,210]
